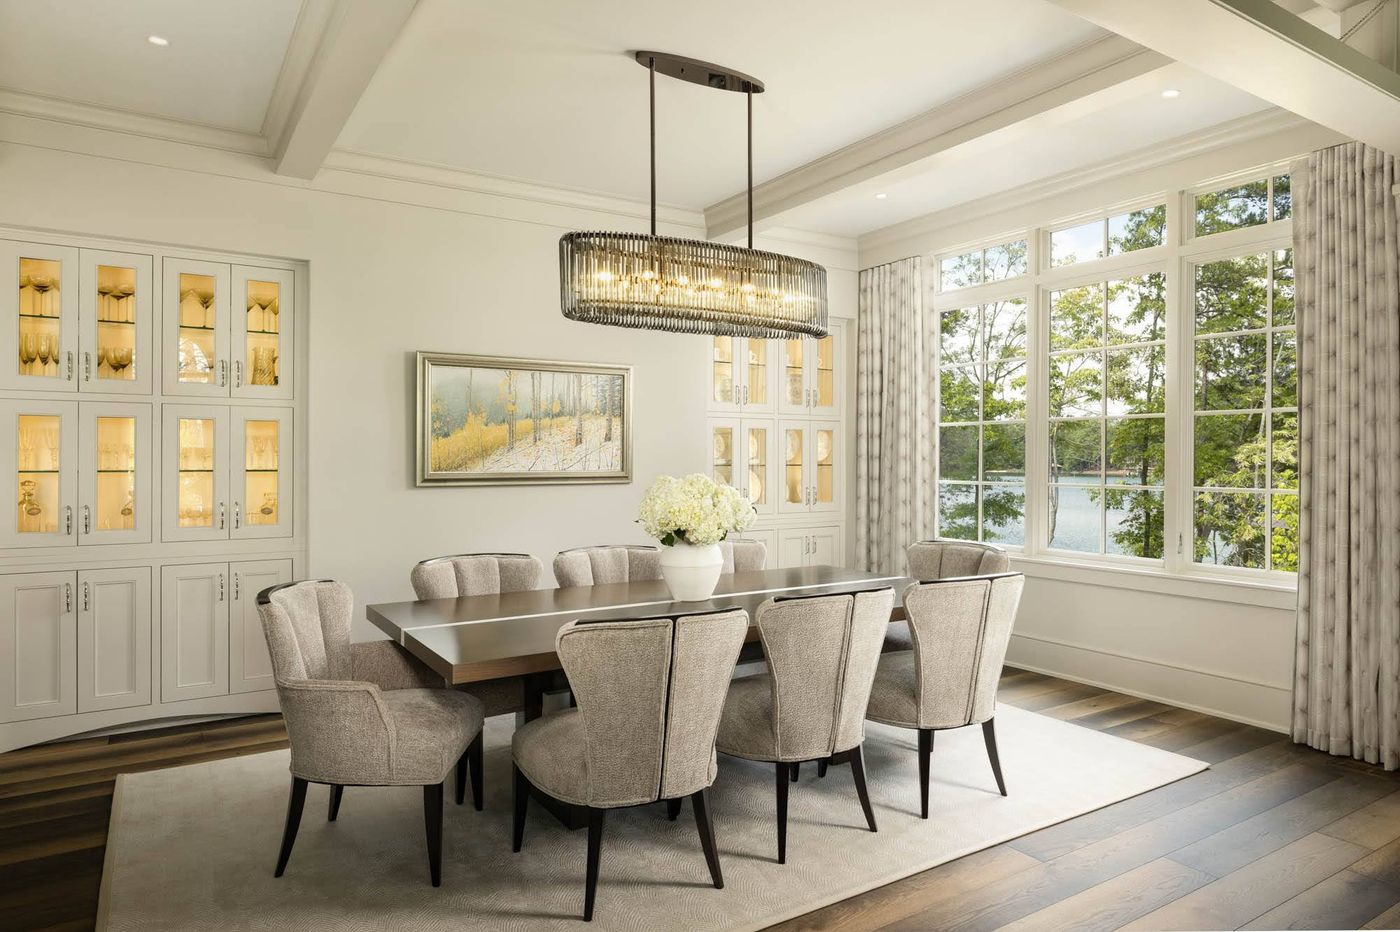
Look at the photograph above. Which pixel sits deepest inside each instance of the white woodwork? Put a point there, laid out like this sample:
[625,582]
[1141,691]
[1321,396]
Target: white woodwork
[249,477]
[194,616]
[211,324]
[59,375]
[250,667]
[38,633]
[758,449]
[114,638]
[810,546]
[58,518]
[94,465]
[769,538]
[826,546]
[211,520]
[139,307]
[792,547]
[282,322]
[794,467]
[826,455]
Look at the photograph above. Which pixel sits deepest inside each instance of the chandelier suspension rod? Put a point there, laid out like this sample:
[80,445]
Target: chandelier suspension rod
[748,94]
[652,91]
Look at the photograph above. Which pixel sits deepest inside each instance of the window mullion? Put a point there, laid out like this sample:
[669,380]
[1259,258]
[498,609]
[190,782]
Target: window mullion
[1177,532]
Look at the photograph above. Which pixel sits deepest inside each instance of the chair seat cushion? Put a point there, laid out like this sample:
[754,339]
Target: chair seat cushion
[746,725]
[432,727]
[550,752]
[897,637]
[892,697]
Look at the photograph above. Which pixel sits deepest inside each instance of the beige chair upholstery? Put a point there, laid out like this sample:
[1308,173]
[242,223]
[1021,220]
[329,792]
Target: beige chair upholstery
[649,696]
[742,555]
[469,574]
[946,559]
[961,628]
[822,653]
[362,714]
[598,566]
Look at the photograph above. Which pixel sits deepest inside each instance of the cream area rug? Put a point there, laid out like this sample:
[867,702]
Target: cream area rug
[194,847]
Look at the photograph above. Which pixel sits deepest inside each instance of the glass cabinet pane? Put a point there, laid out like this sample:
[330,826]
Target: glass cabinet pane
[793,386]
[826,466]
[758,466]
[195,500]
[723,370]
[39,445]
[261,459]
[116,324]
[793,442]
[264,348]
[723,455]
[757,352]
[826,373]
[40,318]
[198,324]
[115,505]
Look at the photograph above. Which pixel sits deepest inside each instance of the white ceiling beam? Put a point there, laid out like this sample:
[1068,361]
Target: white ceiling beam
[1051,90]
[357,36]
[1260,47]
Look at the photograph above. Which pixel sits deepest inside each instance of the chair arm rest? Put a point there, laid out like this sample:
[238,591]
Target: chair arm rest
[389,666]
[340,730]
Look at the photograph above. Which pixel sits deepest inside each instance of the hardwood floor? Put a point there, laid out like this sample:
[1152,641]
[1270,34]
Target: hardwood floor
[1272,836]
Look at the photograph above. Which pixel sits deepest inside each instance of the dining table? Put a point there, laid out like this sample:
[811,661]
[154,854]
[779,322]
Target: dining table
[479,638]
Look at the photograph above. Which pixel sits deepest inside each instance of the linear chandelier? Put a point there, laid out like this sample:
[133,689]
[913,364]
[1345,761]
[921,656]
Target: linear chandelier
[655,282]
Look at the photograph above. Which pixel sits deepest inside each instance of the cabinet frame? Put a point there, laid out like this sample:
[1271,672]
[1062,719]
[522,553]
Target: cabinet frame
[143,301]
[61,624]
[66,380]
[239,528]
[92,658]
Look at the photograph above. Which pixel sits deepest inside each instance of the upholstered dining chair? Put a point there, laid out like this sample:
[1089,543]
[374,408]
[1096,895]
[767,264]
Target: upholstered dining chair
[649,697]
[597,566]
[960,628]
[822,652]
[944,559]
[362,714]
[468,574]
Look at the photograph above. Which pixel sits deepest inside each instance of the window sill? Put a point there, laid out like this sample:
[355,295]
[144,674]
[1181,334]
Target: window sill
[1263,593]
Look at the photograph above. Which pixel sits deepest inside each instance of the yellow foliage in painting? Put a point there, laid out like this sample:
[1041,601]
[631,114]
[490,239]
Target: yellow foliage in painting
[466,448]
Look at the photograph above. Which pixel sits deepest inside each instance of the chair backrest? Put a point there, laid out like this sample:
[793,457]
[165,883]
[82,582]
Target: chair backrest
[942,559]
[960,629]
[597,566]
[742,555]
[822,652]
[650,692]
[307,625]
[466,574]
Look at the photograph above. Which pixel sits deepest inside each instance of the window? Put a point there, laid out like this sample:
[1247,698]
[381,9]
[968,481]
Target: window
[1245,450]
[1107,404]
[1252,203]
[982,422]
[981,266]
[1109,236]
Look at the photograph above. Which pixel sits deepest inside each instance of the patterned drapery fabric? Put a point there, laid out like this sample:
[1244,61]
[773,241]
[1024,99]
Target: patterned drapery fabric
[894,416]
[1346,694]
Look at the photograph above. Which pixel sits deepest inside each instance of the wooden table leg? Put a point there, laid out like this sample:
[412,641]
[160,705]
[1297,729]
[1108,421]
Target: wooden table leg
[536,685]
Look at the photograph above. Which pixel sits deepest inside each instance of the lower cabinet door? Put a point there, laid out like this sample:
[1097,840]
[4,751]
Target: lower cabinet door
[792,548]
[825,549]
[249,666]
[114,638]
[194,631]
[38,643]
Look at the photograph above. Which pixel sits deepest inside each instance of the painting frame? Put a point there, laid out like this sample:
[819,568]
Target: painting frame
[427,475]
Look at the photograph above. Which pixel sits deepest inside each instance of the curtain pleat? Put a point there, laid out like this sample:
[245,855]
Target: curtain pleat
[894,416]
[1346,696]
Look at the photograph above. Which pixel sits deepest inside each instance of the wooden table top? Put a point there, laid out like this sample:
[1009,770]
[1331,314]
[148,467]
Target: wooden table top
[487,637]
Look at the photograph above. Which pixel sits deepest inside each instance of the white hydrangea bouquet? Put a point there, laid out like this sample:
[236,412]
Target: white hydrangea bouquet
[690,515]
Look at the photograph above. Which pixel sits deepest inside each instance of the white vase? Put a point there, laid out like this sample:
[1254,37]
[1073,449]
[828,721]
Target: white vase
[691,572]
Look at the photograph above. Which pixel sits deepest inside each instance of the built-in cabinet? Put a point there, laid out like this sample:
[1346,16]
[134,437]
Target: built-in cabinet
[776,433]
[149,447]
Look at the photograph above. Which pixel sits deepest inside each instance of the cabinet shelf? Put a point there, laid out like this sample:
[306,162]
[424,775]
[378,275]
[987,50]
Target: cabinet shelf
[42,316]
[118,323]
[39,472]
[121,472]
[197,327]
[271,333]
[273,471]
[196,470]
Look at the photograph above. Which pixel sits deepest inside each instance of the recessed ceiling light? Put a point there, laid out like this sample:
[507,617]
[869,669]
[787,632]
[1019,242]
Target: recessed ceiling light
[881,196]
[1171,93]
[158,40]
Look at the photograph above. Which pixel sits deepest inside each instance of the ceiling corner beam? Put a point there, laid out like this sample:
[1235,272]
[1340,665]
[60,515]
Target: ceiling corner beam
[358,35]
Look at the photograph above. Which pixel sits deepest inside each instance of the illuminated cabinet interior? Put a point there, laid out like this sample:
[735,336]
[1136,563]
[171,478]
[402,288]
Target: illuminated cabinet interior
[149,445]
[776,429]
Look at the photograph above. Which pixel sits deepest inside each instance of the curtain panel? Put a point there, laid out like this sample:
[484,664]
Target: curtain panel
[1346,695]
[894,416]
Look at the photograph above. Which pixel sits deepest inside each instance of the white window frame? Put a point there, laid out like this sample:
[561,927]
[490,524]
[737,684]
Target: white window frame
[1187,205]
[1103,215]
[936,263]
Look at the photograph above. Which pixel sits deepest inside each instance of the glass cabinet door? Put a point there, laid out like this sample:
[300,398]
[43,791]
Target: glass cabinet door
[826,463]
[40,456]
[196,303]
[726,390]
[822,369]
[759,462]
[261,444]
[116,322]
[793,377]
[725,466]
[38,316]
[115,466]
[262,332]
[758,375]
[194,497]
[795,488]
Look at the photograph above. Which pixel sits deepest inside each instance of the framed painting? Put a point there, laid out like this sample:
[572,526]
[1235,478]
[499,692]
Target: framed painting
[487,420]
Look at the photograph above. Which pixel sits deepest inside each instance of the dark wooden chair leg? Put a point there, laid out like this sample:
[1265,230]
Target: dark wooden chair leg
[295,801]
[459,787]
[795,769]
[858,773]
[822,765]
[673,808]
[334,809]
[595,848]
[782,771]
[925,752]
[522,798]
[989,735]
[475,764]
[701,804]
[432,820]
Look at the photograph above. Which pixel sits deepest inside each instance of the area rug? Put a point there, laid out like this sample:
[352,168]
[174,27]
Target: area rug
[193,847]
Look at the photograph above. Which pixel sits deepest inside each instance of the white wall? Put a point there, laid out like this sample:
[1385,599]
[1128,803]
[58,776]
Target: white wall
[397,267]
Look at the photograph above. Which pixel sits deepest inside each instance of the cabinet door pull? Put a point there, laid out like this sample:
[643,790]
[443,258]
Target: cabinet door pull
[70,365]
[237,373]
[67,598]
[221,587]
[87,520]
[221,516]
[237,584]
[87,366]
[86,601]
[223,372]
[237,518]
[67,519]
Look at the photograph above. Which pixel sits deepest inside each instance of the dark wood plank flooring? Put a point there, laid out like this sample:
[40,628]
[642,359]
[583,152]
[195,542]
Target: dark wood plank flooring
[1273,836]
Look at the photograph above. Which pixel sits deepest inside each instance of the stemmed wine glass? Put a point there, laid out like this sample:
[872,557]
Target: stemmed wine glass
[28,352]
[42,285]
[47,353]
